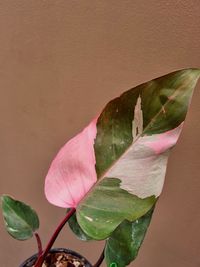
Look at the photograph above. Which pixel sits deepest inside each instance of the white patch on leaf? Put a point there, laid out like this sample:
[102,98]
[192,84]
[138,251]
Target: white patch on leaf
[142,168]
[137,124]
[89,218]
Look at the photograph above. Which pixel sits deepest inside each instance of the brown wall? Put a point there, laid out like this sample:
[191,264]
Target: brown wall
[60,62]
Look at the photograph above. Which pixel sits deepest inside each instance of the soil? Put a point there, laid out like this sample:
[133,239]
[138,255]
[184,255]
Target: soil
[62,259]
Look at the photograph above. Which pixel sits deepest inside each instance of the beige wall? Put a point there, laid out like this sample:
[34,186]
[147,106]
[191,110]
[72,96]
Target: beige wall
[60,62]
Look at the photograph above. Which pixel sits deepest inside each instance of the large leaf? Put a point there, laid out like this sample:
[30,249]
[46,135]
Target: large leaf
[124,243]
[21,220]
[130,143]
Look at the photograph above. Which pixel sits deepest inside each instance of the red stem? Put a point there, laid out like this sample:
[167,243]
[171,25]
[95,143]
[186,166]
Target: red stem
[100,260]
[41,257]
[39,243]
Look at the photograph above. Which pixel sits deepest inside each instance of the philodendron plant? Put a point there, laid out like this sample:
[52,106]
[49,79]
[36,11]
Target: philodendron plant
[110,176]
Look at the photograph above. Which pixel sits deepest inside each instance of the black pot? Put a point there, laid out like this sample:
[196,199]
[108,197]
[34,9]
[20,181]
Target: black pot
[30,261]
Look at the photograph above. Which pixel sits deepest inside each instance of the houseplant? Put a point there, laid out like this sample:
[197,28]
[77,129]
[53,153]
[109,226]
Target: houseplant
[110,175]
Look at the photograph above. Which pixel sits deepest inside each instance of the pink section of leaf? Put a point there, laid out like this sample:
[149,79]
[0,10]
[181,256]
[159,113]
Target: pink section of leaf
[72,173]
[142,167]
[161,142]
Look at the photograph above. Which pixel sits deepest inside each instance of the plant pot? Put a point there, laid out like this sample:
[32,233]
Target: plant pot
[58,253]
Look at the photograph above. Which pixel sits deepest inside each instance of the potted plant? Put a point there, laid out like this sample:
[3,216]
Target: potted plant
[109,176]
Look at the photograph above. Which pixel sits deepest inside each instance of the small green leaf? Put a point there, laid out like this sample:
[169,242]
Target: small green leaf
[21,220]
[123,245]
[76,229]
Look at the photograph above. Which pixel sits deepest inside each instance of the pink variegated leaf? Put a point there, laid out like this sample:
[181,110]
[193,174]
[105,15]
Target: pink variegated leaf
[114,170]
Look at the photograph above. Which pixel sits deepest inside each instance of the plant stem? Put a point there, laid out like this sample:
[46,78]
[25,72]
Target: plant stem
[41,257]
[100,260]
[39,243]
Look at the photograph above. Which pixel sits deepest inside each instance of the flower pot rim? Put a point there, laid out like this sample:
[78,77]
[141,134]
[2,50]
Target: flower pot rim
[29,262]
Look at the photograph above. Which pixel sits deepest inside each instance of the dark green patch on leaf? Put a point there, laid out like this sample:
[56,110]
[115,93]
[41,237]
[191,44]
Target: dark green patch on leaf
[164,103]
[124,243]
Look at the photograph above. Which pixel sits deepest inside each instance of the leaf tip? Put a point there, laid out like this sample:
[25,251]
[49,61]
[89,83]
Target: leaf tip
[4,198]
[193,73]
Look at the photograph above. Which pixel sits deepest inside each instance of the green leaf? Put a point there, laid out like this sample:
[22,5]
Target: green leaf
[76,229]
[135,133]
[124,243]
[21,220]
